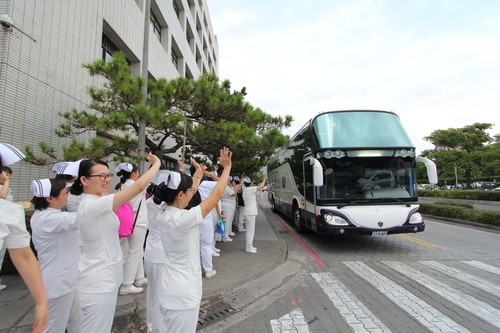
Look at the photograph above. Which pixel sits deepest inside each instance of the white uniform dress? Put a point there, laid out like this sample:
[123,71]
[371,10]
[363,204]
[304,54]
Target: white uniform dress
[250,211]
[154,264]
[10,198]
[101,264]
[181,291]
[13,234]
[206,229]
[228,207]
[55,236]
[133,246]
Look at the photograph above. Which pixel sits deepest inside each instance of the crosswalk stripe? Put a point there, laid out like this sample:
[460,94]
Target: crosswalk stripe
[478,308]
[424,313]
[291,322]
[483,266]
[357,316]
[465,277]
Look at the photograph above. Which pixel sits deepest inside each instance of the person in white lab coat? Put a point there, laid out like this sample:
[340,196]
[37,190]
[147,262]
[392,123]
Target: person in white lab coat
[55,236]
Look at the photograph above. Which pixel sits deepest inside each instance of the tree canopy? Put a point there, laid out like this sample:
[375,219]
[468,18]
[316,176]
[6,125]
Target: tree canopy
[204,112]
[461,148]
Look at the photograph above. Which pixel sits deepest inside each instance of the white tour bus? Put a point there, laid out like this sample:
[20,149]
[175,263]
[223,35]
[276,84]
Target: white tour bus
[349,172]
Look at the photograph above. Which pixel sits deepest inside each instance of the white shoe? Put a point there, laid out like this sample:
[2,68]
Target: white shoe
[2,287]
[140,282]
[209,275]
[232,234]
[226,240]
[215,254]
[214,249]
[127,290]
[251,250]
[242,230]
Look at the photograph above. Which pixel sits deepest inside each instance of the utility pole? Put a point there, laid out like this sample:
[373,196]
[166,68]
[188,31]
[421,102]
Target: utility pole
[144,89]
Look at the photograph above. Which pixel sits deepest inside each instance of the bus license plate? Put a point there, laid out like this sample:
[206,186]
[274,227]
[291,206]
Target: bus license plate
[379,233]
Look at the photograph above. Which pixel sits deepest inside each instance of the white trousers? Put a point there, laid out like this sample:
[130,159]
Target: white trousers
[98,311]
[229,216]
[154,320]
[240,211]
[182,321]
[133,253]
[64,312]
[2,255]
[250,233]
[206,243]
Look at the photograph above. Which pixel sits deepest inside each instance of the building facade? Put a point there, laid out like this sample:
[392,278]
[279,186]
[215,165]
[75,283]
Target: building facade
[41,59]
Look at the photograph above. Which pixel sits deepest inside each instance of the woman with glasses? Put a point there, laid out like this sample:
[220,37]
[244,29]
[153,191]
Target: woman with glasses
[55,236]
[101,264]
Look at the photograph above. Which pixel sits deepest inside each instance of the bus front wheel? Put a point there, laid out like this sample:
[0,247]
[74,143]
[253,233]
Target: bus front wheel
[297,221]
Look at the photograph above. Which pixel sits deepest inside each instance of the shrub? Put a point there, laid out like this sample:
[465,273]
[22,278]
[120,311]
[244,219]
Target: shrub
[462,194]
[461,212]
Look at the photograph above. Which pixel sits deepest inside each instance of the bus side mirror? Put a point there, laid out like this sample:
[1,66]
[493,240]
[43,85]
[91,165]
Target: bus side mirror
[317,172]
[431,169]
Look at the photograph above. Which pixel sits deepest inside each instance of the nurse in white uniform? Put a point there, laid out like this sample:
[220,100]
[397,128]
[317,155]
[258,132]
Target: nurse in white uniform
[154,256]
[181,290]
[101,264]
[15,238]
[250,209]
[55,236]
[133,245]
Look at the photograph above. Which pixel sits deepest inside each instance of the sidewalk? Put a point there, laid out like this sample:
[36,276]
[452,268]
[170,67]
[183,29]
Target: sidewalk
[227,293]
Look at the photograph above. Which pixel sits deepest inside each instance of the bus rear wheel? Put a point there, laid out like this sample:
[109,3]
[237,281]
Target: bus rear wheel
[297,221]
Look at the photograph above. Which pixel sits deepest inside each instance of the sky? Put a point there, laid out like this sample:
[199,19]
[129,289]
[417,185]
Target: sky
[435,63]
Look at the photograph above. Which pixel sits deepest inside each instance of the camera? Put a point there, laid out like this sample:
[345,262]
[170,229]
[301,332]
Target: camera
[6,21]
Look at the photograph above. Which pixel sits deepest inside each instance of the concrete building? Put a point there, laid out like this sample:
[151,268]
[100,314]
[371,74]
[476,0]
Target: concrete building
[41,59]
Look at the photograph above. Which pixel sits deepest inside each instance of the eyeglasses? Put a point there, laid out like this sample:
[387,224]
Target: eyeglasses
[102,176]
[192,189]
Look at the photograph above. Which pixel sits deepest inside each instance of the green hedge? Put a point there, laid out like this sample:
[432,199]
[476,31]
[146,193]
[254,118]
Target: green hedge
[458,212]
[461,194]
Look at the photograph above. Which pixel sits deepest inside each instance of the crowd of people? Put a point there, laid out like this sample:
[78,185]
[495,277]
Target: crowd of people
[83,263]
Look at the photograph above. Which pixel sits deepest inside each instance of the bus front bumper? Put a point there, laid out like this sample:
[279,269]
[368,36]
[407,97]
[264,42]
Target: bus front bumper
[350,230]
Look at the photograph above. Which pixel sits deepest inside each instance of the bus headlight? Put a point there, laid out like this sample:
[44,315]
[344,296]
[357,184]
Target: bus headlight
[416,218]
[335,220]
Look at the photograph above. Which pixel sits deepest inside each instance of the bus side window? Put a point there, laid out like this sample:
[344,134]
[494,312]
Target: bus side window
[309,187]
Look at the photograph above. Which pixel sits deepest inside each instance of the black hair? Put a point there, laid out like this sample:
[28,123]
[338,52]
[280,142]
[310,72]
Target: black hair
[65,177]
[162,193]
[6,169]
[84,171]
[56,187]
[124,176]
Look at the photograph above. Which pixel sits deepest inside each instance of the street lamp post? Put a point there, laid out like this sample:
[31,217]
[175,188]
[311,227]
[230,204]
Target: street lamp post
[144,89]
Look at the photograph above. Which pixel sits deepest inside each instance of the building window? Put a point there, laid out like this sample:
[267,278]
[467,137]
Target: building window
[175,58]
[107,48]
[176,9]
[155,26]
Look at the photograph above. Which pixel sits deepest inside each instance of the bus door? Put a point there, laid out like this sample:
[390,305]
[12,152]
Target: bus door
[313,179]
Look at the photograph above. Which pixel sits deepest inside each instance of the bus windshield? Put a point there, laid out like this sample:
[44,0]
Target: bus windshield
[360,129]
[361,178]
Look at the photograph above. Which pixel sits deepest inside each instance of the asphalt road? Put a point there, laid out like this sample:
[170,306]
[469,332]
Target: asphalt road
[446,279]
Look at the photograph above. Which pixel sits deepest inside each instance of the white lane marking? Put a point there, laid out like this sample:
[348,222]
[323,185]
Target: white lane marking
[358,316]
[465,277]
[291,322]
[483,266]
[428,316]
[479,308]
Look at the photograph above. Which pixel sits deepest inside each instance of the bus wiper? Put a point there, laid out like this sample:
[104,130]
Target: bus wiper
[400,201]
[353,203]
